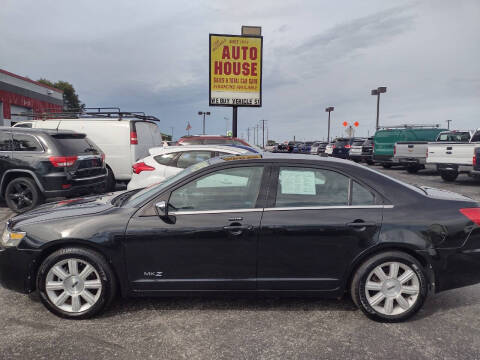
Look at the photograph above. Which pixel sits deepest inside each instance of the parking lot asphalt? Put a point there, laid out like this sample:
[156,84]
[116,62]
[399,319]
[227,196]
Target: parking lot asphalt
[448,327]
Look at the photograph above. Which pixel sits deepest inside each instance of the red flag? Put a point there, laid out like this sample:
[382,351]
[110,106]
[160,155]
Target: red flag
[188,126]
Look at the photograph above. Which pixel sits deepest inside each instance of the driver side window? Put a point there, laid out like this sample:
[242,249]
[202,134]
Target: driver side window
[235,188]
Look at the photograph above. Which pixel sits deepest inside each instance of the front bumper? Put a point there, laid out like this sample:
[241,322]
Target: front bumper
[17,269]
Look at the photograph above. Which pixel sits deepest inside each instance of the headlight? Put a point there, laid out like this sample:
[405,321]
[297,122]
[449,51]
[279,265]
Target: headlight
[11,238]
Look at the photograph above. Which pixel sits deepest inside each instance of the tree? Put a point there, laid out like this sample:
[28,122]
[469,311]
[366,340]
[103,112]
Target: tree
[70,97]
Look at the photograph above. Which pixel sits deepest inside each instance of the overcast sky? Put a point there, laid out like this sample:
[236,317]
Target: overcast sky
[152,56]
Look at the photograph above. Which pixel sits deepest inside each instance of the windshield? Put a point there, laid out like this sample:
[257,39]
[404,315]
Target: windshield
[145,194]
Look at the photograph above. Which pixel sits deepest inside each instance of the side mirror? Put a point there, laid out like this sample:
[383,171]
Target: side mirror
[161,208]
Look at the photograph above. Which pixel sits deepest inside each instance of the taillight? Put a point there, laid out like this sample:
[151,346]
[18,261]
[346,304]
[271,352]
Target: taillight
[474,160]
[394,149]
[141,166]
[62,161]
[427,153]
[472,213]
[133,138]
[103,157]
[334,146]
[348,146]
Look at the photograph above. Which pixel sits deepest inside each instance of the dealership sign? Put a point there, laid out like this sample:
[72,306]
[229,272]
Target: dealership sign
[235,70]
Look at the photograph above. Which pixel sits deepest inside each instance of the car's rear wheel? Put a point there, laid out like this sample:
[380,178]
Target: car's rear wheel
[449,176]
[389,287]
[75,283]
[22,194]
[110,183]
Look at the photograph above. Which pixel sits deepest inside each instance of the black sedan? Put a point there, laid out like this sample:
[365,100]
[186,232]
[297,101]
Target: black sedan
[272,224]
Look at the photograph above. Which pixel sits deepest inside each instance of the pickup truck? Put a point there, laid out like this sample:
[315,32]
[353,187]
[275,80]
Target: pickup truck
[413,154]
[453,158]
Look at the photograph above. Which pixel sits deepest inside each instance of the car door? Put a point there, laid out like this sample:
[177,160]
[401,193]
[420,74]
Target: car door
[6,146]
[209,239]
[317,220]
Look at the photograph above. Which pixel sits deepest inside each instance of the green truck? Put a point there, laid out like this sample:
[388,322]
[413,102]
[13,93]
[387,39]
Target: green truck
[385,139]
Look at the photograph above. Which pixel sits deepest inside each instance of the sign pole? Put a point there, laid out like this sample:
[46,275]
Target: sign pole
[234,121]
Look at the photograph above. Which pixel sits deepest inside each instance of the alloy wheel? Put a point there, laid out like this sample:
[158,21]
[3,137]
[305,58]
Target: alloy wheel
[21,195]
[392,288]
[73,285]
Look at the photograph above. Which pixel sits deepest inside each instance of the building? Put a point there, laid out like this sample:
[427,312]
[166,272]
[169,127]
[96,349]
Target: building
[19,95]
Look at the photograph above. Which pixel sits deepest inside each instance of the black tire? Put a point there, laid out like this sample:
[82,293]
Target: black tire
[111,182]
[359,296]
[449,176]
[22,194]
[103,269]
[387,166]
[413,169]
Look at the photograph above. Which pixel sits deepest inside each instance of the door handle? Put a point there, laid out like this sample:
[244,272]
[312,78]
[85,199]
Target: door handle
[361,225]
[237,229]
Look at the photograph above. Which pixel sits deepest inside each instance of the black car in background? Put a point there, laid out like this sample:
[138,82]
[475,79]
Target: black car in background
[362,150]
[36,164]
[341,147]
[250,224]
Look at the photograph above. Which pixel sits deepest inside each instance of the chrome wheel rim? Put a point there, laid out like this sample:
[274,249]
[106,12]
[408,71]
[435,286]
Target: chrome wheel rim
[392,288]
[73,285]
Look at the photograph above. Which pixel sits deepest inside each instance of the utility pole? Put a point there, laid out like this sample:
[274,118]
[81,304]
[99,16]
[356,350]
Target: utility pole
[248,134]
[448,124]
[258,126]
[171,127]
[263,133]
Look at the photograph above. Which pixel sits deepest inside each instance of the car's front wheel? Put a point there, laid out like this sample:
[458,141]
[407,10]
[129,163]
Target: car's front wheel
[75,283]
[389,287]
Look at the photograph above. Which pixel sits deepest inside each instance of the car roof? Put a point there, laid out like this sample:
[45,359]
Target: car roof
[172,149]
[36,131]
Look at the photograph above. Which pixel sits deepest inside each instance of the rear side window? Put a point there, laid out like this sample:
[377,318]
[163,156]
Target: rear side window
[299,187]
[75,144]
[358,143]
[23,142]
[454,136]
[164,159]
[6,143]
[361,196]
[192,157]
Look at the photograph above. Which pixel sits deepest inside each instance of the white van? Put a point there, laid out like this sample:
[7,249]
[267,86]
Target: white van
[123,140]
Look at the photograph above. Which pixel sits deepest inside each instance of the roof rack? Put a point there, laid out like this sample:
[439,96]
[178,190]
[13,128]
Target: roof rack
[405,126]
[86,113]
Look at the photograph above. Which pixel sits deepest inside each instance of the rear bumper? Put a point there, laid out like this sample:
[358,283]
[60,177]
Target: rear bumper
[475,172]
[455,168]
[63,185]
[17,269]
[411,161]
[361,156]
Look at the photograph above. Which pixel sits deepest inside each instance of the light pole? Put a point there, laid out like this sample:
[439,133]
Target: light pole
[329,110]
[258,126]
[248,134]
[263,133]
[378,91]
[203,113]
[448,124]
[171,127]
